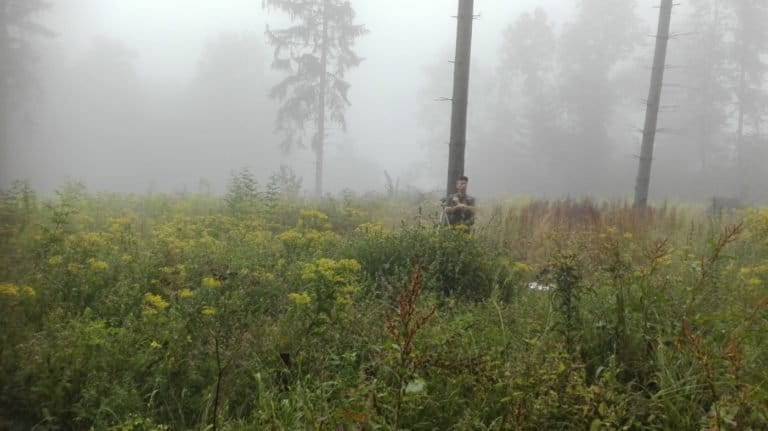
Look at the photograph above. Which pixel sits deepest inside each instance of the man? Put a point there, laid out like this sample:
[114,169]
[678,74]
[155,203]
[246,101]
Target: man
[460,207]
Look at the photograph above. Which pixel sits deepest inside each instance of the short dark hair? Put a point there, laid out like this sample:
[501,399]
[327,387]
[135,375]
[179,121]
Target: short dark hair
[463,178]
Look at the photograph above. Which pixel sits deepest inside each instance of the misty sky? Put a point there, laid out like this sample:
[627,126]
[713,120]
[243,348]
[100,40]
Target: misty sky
[406,36]
[138,95]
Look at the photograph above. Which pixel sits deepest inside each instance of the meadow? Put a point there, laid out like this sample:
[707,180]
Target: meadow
[260,310]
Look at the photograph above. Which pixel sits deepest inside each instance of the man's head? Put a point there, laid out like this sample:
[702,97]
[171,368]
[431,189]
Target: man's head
[461,184]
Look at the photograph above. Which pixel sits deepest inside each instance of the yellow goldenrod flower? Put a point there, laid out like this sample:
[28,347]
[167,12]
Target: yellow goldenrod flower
[186,293]
[349,265]
[55,260]
[98,265]
[370,228]
[119,225]
[300,298]
[8,289]
[75,268]
[462,228]
[208,311]
[211,282]
[344,300]
[331,271]
[156,301]
[522,267]
[154,344]
[312,218]
[290,237]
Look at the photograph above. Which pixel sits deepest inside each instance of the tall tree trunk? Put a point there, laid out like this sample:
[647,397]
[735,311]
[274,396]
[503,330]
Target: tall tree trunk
[458,141]
[320,138]
[652,110]
[4,81]
[740,125]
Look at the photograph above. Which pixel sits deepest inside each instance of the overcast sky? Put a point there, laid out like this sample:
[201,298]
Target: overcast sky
[391,91]
[406,36]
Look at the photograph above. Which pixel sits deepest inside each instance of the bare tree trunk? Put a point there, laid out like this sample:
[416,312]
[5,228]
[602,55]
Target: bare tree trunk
[458,141]
[740,126]
[4,82]
[4,122]
[652,110]
[320,137]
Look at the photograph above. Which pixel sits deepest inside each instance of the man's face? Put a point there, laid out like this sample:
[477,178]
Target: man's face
[461,186]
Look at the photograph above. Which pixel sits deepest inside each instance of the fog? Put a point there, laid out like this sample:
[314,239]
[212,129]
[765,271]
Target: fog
[173,96]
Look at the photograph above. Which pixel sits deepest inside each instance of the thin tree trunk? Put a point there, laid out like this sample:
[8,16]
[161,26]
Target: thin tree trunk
[652,110]
[4,82]
[320,138]
[740,131]
[4,122]
[458,141]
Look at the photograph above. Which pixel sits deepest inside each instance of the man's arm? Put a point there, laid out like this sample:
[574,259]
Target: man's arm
[469,206]
[470,209]
[450,204]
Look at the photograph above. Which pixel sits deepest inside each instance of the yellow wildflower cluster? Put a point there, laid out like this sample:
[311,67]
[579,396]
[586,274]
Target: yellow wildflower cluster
[755,276]
[209,243]
[295,239]
[370,229]
[55,260]
[243,227]
[291,237]
[97,265]
[186,293]
[462,228]
[185,234]
[208,311]
[176,275]
[757,225]
[120,226]
[522,267]
[329,270]
[257,239]
[345,294]
[267,276]
[313,219]
[337,276]
[86,241]
[156,302]
[211,283]
[300,298]
[14,290]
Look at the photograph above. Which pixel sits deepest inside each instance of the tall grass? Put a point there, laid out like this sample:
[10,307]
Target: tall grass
[194,312]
